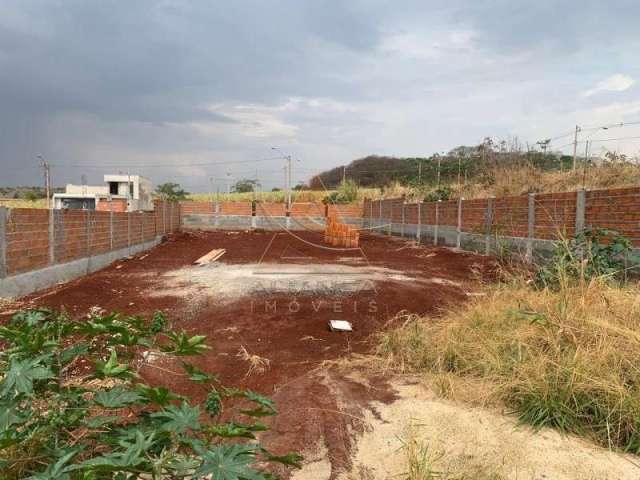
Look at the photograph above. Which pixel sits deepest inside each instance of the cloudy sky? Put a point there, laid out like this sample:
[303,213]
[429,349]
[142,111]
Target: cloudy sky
[200,91]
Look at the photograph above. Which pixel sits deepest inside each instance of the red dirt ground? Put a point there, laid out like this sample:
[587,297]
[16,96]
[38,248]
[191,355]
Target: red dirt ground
[295,342]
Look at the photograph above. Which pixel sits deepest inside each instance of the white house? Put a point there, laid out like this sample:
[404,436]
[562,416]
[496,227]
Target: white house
[120,193]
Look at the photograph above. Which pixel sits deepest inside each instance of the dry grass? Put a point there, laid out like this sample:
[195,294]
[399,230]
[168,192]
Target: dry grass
[21,203]
[566,359]
[426,463]
[511,181]
[279,197]
[257,364]
[519,181]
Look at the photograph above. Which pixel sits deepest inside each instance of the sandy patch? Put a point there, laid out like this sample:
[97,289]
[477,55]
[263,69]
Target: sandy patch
[463,440]
[232,281]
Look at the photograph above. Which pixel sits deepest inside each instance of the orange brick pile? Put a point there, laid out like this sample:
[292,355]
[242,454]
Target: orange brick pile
[340,234]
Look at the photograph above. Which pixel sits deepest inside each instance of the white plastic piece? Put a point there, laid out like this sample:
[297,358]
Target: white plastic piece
[340,326]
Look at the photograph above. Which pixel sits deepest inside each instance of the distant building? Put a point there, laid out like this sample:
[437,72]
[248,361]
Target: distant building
[121,193]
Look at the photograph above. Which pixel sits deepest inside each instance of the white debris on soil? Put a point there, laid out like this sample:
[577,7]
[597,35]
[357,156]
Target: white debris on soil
[340,326]
[228,282]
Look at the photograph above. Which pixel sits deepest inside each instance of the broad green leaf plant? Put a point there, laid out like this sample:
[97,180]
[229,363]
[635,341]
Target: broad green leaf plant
[74,407]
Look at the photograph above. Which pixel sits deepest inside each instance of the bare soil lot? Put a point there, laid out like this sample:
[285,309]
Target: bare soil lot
[265,306]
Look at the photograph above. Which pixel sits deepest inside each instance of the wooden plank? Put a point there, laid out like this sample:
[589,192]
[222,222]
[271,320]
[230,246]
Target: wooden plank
[212,256]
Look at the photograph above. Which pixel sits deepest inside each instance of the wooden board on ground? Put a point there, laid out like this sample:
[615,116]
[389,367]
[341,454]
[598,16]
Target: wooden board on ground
[212,256]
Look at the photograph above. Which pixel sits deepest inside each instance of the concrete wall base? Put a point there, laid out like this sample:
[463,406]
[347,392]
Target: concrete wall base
[448,236]
[29,282]
[260,222]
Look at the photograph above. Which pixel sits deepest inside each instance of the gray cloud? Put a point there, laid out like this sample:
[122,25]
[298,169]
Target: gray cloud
[91,82]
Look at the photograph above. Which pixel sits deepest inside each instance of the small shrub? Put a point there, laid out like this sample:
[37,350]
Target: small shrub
[443,193]
[347,192]
[590,254]
[72,406]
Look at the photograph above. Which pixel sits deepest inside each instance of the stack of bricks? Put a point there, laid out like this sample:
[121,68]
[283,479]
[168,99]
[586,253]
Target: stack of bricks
[340,234]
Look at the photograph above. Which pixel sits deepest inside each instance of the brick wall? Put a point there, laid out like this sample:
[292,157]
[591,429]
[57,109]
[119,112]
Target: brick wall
[267,209]
[554,214]
[347,210]
[301,209]
[510,216]
[236,208]
[27,239]
[308,209]
[615,209]
[116,205]
[197,207]
[37,238]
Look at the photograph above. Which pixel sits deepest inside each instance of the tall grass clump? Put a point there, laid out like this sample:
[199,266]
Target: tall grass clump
[561,353]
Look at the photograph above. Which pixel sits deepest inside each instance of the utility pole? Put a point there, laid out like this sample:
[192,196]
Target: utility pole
[228,183]
[344,174]
[586,163]
[544,144]
[286,176]
[47,179]
[420,173]
[289,183]
[575,147]
[438,170]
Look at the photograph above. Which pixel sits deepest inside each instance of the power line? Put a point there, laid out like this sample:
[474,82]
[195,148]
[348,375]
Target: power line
[161,165]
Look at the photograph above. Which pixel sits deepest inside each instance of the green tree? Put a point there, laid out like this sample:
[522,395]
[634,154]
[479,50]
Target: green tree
[171,191]
[245,185]
[31,196]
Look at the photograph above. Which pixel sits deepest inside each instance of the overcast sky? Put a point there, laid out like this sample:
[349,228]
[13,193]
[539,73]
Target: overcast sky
[176,90]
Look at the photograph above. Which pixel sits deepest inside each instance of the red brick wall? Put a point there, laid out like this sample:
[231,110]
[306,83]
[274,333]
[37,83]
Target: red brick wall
[555,215]
[267,209]
[78,233]
[197,207]
[474,215]
[235,208]
[428,213]
[411,213]
[307,209]
[27,239]
[510,216]
[347,210]
[617,209]
[448,213]
[117,205]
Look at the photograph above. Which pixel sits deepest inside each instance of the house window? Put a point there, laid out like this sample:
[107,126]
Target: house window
[113,188]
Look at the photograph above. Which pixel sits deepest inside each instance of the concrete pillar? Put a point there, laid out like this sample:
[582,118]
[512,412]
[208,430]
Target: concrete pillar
[111,229]
[531,226]
[390,218]
[52,236]
[171,217]
[164,217]
[489,223]
[580,207]
[371,214]
[88,231]
[435,227]
[418,228]
[459,229]
[380,219]
[403,219]
[3,241]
